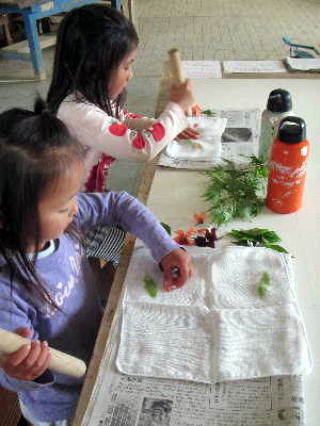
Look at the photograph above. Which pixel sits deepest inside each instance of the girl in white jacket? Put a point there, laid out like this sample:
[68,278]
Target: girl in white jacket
[96,47]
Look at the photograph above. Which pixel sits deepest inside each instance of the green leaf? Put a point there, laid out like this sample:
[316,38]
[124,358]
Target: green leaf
[209,112]
[263,284]
[150,286]
[276,247]
[256,237]
[166,227]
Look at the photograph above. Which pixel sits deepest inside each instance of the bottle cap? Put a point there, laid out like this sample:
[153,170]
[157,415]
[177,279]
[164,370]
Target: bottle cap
[279,101]
[292,130]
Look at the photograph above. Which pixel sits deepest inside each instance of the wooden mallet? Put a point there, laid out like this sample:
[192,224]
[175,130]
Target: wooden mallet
[60,361]
[176,69]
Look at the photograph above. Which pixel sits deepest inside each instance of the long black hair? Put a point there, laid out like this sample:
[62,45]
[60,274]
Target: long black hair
[91,43]
[35,150]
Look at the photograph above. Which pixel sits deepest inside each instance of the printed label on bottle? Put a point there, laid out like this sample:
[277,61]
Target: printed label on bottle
[304,151]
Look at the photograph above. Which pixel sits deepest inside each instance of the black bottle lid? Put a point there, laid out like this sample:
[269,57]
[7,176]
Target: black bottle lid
[279,101]
[292,130]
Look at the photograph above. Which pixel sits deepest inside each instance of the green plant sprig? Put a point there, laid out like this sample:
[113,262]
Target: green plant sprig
[236,191]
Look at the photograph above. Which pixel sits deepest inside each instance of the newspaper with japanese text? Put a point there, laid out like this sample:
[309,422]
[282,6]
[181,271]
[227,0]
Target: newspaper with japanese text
[240,140]
[121,400]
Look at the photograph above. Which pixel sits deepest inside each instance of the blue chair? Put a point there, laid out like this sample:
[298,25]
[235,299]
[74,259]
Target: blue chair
[296,52]
[31,13]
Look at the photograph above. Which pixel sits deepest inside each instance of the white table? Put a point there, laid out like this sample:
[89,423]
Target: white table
[175,196]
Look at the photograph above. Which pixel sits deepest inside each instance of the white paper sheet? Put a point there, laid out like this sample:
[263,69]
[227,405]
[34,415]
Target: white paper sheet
[202,69]
[232,67]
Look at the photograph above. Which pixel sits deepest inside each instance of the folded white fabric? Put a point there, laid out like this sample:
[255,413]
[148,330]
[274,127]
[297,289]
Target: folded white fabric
[207,147]
[216,327]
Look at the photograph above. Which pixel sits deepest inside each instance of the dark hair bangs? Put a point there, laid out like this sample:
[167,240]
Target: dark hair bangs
[91,43]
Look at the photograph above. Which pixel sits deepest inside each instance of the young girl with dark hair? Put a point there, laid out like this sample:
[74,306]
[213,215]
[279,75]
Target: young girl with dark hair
[96,48]
[47,289]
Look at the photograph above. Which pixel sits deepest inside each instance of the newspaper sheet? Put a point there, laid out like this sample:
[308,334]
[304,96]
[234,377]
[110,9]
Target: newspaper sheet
[240,140]
[121,400]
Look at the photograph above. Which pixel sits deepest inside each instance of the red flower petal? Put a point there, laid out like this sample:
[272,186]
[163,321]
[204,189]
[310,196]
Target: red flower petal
[183,238]
[199,218]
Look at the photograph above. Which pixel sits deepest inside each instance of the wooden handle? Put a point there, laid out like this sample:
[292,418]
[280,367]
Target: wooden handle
[177,70]
[176,65]
[60,362]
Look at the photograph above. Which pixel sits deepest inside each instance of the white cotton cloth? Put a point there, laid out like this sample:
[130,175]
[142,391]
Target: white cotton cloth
[216,327]
[207,147]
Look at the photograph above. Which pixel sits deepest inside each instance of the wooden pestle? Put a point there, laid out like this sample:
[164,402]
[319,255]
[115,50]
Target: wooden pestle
[176,65]
[176,69]
[60,361]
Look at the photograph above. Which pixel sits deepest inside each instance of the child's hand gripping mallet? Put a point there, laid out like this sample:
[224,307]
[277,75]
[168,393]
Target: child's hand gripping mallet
[176,69]
[178,75]
[60,361]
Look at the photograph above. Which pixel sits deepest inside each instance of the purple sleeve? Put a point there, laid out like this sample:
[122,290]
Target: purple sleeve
[120,208]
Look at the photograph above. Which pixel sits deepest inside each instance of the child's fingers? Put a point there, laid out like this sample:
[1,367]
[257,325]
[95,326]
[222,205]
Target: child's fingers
[41,364]
[191,270]
[182,276]
[33,355]
[29,365]
[188,84]
[177,268]
[176,275]
[23,332]
[188,133]
[175,281]
[192,133]
[18,356]
[46,362]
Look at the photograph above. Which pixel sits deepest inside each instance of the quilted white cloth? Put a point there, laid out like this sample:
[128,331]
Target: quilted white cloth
[216,327]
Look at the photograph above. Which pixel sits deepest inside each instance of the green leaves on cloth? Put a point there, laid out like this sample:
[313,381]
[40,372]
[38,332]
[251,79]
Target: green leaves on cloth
[263,284]
[236,191]
[150,286]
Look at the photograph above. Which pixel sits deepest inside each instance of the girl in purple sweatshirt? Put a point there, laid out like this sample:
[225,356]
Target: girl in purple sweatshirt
[47,289]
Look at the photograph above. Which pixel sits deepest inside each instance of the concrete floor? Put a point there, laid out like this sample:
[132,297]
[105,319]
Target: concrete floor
[201,29]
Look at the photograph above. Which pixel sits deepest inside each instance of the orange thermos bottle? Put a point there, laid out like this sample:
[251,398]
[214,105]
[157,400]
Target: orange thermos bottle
[287,166]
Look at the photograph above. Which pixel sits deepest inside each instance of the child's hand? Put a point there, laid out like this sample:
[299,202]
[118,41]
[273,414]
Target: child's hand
[189,133]
[182,94]
[28,362]
[177,268]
